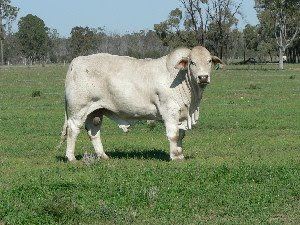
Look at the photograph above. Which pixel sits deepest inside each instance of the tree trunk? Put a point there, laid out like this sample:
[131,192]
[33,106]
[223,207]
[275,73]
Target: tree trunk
[270,55]
[221,51]
[1,50]
[281,53]
[281,47]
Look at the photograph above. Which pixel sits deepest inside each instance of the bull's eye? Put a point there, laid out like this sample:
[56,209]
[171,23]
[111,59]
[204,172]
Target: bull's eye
[193,63]
[210,61]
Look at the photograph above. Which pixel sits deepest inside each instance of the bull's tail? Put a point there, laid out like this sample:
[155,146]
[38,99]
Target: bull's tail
[64,131]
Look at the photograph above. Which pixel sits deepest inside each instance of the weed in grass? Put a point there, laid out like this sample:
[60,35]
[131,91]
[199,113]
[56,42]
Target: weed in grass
[152,194]
[253,87]
[89,159]
[36,94]
[61,209]
[292,77]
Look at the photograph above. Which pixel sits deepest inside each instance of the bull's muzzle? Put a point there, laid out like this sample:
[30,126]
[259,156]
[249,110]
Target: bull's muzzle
[203,79]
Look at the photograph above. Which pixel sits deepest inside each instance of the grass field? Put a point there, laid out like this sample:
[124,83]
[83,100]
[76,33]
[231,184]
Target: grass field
[243,163]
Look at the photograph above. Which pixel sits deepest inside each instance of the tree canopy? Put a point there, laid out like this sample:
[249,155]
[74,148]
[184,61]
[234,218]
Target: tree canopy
[33,37]
[8,13]
[207,23]
[83,41]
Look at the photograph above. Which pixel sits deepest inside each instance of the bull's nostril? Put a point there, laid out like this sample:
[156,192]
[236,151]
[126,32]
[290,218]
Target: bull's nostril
[203,79]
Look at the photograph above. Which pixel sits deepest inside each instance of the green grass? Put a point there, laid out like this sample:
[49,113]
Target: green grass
[243,163]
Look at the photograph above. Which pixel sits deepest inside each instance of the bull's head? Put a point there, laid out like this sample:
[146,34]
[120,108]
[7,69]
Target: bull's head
[199,63]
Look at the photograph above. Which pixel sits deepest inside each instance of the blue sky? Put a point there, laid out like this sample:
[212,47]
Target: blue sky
[118,16]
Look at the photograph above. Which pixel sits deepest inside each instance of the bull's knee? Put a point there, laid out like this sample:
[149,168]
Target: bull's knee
[173,133]
[173,138]
[73,129]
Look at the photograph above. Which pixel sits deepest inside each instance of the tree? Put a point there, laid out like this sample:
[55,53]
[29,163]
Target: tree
[266,35]
[207,23]
[33,37]
[234,46]
[251,40]
[58,47]
[12,54]
[197,20]
[8,13]
[222,15]
[83,41]
[294,51]
[169,31]
[285,16]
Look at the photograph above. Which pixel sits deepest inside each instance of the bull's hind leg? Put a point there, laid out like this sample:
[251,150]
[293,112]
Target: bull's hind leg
[72,133]
[93,125]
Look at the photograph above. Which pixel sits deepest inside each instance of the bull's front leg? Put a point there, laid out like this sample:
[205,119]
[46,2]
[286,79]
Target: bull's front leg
[175,137]
[181,136]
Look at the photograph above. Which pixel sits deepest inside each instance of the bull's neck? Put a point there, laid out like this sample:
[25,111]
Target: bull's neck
[187,93]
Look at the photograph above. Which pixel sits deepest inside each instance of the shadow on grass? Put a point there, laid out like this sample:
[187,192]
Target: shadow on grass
[146,154]
[64,158]
[154,154]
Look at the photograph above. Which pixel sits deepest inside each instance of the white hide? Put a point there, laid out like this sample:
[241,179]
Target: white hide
[126,90]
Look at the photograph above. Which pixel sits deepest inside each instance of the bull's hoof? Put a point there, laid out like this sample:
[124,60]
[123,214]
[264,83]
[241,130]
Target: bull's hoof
[177,157]
[102,157]
[71,158]
[73,161]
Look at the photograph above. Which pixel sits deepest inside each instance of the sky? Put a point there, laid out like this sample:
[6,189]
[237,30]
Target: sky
[117,16]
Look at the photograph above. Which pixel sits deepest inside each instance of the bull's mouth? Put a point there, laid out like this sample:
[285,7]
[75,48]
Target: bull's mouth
[203,83]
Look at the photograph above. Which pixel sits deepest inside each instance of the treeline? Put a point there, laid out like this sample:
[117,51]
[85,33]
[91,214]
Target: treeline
[83,41]
[210,23]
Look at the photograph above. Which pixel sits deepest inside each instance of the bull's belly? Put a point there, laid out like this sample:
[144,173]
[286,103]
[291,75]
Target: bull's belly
[130,111]
[127,116]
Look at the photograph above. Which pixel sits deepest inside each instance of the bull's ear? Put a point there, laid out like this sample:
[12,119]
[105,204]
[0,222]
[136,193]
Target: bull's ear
[217,60]
[182,64]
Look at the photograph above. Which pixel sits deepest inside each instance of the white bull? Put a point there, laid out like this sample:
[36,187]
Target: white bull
[126,90]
